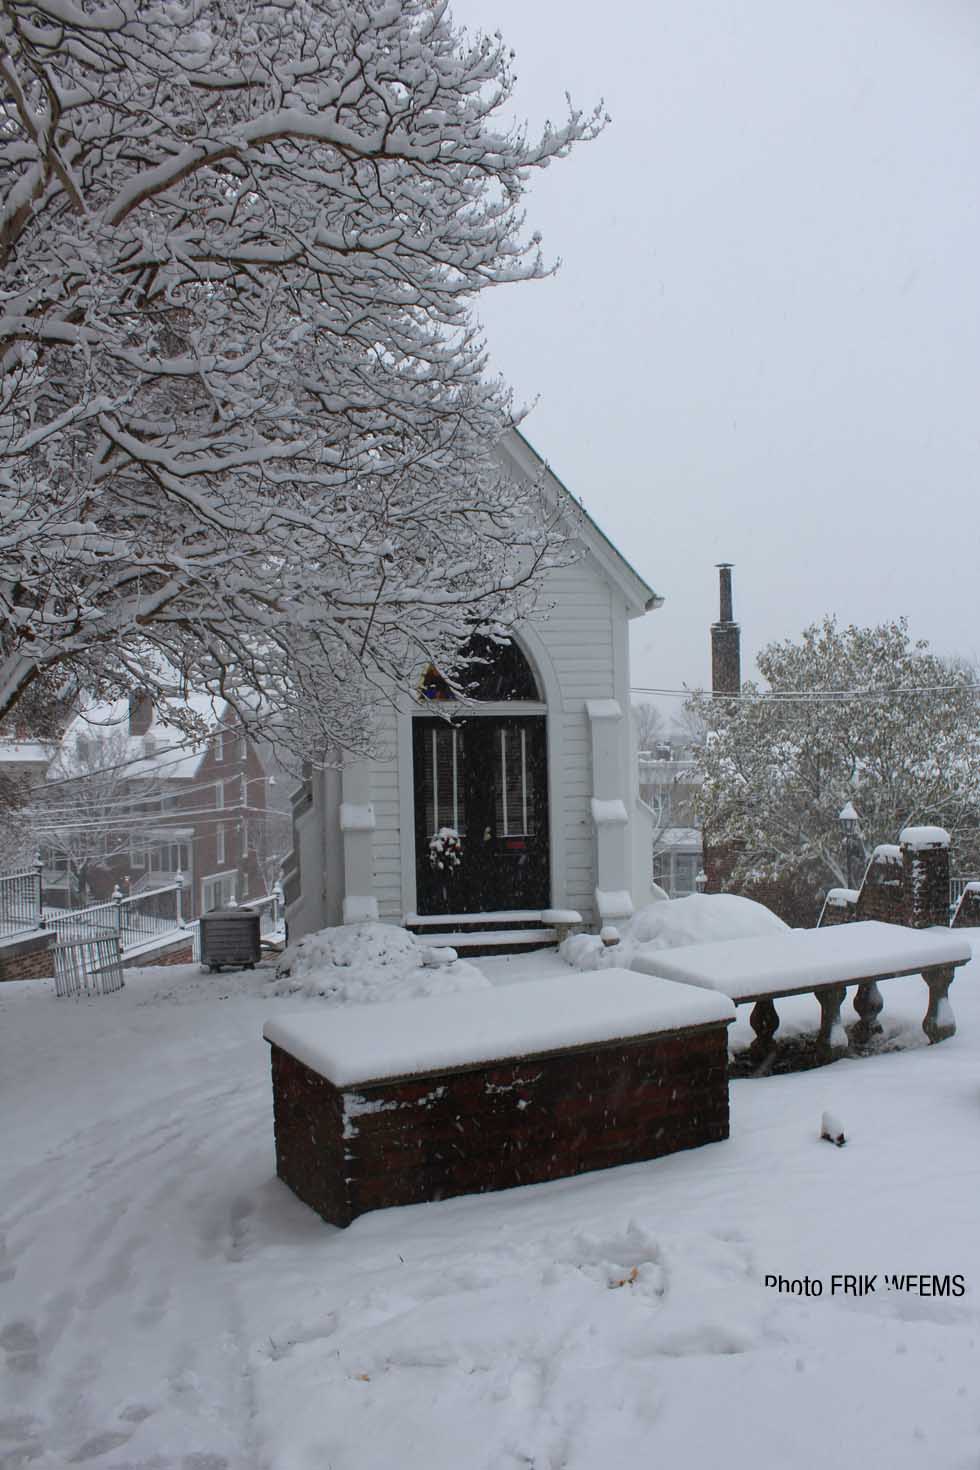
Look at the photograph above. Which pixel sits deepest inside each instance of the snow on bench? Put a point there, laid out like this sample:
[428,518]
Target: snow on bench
[418,1100]
[824,961]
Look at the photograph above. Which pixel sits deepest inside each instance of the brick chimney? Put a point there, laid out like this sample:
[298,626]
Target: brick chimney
[726,636]
[140,712]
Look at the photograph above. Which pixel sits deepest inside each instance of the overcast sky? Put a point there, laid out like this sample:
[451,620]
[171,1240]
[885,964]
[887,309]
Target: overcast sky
[763,345]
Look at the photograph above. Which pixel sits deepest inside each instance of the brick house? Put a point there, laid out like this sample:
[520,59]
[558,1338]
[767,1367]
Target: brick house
[167,808]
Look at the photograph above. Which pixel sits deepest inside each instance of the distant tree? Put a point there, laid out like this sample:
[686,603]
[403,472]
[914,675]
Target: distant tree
[649,724]
[850,714]
[94,807]
[246,429]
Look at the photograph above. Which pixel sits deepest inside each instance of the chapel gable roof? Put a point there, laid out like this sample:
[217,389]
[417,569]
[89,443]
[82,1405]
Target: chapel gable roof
[638,594]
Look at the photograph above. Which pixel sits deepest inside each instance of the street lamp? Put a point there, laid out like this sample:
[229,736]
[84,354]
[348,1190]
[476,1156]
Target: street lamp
[850,826]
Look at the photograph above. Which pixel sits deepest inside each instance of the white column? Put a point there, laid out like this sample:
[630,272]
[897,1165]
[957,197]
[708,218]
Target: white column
[610,812]
[357,827]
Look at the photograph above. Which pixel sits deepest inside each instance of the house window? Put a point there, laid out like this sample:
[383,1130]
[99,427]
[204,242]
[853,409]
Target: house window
[219,795]
[137,855]
[220,845]
[242,748]
[218,890]
[219,746]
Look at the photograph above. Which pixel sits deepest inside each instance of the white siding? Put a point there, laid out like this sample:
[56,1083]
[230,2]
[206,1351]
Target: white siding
[386,844]
[577,633]
[576,630]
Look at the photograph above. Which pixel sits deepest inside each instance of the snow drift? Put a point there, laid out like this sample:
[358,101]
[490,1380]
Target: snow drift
[703,918]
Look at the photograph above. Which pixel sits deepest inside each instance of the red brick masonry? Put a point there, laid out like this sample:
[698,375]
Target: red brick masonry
[497,1125]
[27,957]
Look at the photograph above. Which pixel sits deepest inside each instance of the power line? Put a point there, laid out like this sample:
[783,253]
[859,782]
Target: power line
[810,696]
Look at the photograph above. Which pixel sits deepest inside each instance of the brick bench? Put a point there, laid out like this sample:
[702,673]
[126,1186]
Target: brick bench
[399,1103]
[824,962]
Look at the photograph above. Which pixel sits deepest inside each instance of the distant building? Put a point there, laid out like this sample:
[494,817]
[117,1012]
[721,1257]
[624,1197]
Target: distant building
[162,806]
[669,779]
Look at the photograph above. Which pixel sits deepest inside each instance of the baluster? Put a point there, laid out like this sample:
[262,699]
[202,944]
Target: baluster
[832,1038]
[868,1004]
[939,1022]
[764,1021]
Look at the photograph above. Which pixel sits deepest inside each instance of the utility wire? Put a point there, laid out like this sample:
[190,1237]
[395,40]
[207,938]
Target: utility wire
[810,696]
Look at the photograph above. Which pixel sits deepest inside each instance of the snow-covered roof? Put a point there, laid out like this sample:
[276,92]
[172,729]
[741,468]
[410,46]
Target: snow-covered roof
[679,837]
[164,751]
[25,753]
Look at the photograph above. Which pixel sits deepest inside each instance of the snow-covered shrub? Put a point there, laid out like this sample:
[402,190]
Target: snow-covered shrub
[702,918]
[358,964]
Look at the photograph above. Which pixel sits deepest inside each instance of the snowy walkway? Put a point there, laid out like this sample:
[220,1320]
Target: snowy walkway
[166,1304]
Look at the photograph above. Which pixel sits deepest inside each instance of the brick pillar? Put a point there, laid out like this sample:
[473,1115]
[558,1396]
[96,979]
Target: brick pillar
[726,637]
[925,876]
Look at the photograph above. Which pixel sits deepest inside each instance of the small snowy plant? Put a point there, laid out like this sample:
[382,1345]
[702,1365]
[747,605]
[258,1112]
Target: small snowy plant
[445,850]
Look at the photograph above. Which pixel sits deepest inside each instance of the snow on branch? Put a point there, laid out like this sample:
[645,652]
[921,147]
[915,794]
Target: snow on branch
[246,430]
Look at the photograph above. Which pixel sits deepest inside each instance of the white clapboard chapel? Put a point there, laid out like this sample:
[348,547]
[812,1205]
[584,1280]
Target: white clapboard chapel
[513,812]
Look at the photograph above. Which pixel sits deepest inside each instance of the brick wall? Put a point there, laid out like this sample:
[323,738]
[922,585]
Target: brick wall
[27,957]
[907,884]
[496,1126]
[181,953]
[925,884]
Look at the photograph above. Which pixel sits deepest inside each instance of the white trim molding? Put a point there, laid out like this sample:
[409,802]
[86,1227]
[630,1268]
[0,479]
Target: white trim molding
[610,815]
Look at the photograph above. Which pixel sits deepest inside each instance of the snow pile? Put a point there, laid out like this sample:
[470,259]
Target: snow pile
[702,918]
[359,964]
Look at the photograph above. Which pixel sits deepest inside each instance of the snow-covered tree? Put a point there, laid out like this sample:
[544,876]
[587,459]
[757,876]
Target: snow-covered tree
[649,725]
[864,715]
[245,421]
[93,809]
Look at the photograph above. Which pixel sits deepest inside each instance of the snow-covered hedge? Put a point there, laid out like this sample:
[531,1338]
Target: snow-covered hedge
[357,964]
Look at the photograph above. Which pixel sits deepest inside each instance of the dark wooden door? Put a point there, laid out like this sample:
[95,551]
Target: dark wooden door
[486,779]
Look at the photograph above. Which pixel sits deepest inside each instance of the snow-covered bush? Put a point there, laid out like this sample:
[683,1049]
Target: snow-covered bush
[702,918]
[358,964]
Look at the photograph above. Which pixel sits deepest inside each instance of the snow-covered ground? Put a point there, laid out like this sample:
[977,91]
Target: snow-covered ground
[166,1303]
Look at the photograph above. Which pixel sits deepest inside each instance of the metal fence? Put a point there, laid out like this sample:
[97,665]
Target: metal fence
[20,900]
[956,887]
[88,966]
[134,921]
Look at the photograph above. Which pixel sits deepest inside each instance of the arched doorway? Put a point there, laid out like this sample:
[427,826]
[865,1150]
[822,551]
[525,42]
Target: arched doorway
[481,787]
